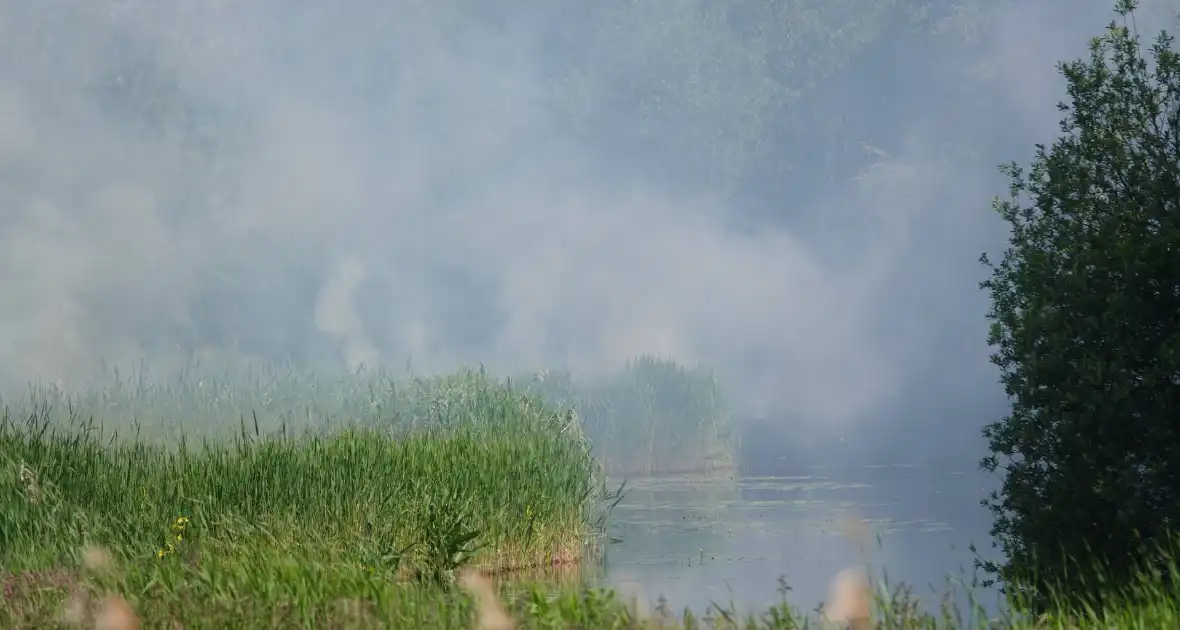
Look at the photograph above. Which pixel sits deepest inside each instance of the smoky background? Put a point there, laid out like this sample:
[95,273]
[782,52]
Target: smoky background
[793,193]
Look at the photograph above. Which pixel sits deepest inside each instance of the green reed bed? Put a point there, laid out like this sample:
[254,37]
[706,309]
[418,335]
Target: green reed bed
[461,471]
[653,416]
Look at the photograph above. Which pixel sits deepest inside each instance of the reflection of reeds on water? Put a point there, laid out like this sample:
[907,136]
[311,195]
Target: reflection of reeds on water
[562,575]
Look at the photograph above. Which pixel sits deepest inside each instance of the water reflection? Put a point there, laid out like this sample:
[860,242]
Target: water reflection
[697,541]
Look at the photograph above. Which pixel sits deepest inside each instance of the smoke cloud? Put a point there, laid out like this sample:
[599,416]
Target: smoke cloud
[796,195]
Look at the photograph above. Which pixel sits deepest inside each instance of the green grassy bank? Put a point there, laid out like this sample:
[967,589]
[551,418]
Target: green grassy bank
[460,471]
[270,495]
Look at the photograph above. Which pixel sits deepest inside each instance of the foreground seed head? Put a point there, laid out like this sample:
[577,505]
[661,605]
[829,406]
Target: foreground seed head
[111,613]
[489,614]
[850,599]
[114,613]
[75,610]
[97,559]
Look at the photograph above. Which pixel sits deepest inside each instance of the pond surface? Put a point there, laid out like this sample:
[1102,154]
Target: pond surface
[695,540]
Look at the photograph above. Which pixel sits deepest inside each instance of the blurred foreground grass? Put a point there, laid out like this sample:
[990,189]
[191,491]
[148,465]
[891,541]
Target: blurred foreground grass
[263,586]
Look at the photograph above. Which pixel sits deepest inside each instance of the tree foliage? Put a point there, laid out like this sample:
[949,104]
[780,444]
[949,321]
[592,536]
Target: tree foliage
[1086,329]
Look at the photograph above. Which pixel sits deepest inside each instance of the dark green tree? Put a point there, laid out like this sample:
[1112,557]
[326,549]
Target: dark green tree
[1085,323]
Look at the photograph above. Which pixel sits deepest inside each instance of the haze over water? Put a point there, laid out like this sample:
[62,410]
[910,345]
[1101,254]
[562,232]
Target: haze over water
[696,541]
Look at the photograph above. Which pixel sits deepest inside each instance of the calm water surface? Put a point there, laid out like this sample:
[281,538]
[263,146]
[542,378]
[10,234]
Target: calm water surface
[696,540]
